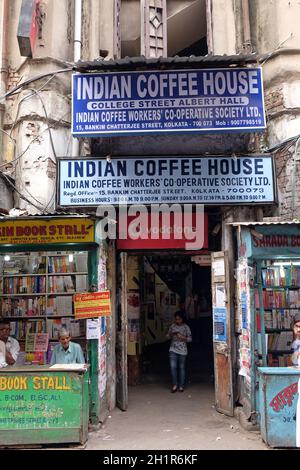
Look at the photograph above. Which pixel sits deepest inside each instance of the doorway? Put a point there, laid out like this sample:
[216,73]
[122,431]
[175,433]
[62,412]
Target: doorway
[154,287]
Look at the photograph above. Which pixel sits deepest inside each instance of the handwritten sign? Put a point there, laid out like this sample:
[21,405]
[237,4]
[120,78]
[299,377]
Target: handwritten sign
[96,304]
[39,401]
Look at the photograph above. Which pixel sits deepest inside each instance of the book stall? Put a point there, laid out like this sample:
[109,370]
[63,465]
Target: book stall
[268,294]
[44,264]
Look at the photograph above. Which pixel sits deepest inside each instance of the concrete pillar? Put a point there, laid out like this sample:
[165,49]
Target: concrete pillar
[223,27]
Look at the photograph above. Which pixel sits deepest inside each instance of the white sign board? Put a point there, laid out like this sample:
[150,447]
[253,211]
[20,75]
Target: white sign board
[156,180]
[93,326]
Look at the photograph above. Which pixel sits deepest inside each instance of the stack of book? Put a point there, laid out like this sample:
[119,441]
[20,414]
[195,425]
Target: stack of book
[280,341]
[60,305]
[19,329]
[285,298]
[281,276]
[24,285]
[279,318]
[60,284]
[75,327]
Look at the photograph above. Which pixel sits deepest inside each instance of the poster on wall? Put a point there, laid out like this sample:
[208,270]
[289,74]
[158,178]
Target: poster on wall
[102,270]
[133,330]
[102,363]
[219,324]
[245,355]
[220,295]
[93,326]
[95,304]
[167,101]
[133,305]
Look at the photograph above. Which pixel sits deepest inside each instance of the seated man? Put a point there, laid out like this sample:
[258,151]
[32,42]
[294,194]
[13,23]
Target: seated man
[67,352]
[12,347]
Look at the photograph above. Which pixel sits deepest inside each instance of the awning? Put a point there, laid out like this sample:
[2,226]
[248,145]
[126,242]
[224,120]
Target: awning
[176,62]
[251,224]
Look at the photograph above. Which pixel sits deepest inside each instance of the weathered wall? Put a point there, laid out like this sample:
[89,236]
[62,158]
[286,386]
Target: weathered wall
[6,198]
[281,69]
[275,34]
[31,116]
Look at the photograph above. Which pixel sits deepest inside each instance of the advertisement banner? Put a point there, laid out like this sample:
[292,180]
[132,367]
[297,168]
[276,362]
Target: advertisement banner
[39,231]
[167,235]
[96,304]
[207,100]
[156,180]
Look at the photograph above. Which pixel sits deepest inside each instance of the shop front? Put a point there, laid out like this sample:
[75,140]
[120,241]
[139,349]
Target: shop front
[159,169]
[268,280]
[45,263]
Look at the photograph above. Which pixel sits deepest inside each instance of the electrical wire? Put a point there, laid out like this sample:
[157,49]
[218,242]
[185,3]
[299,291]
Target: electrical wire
[34,79]
[26,97]
[295,160]
[20,194]
[24,151]
[270,55]
[47,119]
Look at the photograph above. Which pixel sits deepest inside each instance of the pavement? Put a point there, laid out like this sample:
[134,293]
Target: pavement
[159,420]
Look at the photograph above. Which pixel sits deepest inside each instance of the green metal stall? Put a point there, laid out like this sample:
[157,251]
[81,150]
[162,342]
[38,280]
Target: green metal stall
[41,405]
[71,425]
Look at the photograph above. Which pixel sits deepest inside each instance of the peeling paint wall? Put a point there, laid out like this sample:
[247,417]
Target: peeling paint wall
[37,120]
[288,176]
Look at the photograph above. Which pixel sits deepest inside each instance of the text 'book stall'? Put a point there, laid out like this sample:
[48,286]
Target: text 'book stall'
[53,304]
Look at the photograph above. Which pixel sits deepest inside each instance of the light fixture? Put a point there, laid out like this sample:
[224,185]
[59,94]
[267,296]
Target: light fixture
[71,258]
[286,263]
[6,258]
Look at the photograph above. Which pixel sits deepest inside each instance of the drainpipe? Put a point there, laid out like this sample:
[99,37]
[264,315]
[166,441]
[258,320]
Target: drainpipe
[246,27]
[209,32]
[77,57]
[3,65]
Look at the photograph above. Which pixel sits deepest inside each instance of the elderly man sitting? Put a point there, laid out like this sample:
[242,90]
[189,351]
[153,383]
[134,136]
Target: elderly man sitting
[67,352]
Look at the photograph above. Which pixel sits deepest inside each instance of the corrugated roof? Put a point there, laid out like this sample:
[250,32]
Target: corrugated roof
[132,63]
[61,214]
[247,224]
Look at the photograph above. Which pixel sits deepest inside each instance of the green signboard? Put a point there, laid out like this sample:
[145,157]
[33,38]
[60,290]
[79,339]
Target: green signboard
[44,400]
[39,400]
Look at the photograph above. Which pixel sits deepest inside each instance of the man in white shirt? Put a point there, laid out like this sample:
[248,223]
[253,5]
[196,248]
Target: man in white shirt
[12,346]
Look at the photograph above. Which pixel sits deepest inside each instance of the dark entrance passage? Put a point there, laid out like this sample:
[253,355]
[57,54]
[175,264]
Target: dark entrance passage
[158,287]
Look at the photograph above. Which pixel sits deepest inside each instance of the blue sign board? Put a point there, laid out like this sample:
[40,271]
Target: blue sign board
[207,100]
[219,324]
